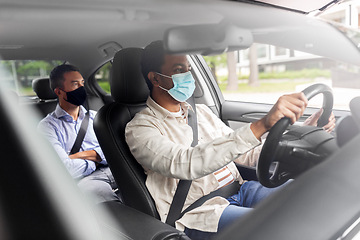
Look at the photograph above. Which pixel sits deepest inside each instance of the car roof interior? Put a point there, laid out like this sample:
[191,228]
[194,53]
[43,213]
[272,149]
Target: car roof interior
[100,28]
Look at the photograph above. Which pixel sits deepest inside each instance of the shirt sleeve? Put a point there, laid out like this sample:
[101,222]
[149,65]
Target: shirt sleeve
[77,167]
[101,154]
[251,157]
[156,152]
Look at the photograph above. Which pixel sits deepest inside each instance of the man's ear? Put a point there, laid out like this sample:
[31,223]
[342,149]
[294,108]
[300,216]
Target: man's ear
[57,91]
[152,77]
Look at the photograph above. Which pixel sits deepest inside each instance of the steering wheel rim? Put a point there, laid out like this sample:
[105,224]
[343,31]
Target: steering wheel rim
[272,141]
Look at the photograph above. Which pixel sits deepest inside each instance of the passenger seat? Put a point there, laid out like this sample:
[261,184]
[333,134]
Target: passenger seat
[47,98]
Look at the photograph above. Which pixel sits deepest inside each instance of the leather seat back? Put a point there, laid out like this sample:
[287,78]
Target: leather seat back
[129,90]
[47,98]
[348,127]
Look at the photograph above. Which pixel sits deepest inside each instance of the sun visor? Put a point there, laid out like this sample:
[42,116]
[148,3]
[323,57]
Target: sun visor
[206,39]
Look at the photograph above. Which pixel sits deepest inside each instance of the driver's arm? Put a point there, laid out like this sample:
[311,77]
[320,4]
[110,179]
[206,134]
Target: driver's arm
[291,106]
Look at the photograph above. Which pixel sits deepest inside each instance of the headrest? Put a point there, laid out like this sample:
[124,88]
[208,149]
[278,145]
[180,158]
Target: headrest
[127,82]
[41,87]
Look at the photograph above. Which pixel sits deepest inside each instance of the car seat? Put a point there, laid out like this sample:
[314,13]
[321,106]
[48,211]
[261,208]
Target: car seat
[348,127]
[47,98]
[130,92]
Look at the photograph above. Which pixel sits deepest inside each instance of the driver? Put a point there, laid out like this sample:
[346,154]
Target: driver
[160,139]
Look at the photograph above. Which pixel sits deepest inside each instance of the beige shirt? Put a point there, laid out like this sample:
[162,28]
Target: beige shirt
[161,143]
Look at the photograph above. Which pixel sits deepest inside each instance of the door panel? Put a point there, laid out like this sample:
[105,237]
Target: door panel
[236,114]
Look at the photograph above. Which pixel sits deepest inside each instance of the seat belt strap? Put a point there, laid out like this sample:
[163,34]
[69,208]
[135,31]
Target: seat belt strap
[178,201]
[183,187]
[224,192]
[80,137]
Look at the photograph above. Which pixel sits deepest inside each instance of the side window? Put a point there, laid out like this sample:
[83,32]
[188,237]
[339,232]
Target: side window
[17,75]
[263,73]
[102,77]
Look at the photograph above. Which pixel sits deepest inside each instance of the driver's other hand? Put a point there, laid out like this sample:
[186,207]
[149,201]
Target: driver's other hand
[331,124]
[312,121]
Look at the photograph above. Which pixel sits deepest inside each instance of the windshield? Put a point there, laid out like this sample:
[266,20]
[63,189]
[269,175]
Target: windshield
[264,72]
[352,33]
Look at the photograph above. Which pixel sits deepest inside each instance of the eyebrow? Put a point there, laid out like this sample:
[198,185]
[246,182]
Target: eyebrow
[77,80]
[181,65]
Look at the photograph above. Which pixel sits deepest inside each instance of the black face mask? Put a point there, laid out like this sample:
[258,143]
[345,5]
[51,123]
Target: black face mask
[76,97]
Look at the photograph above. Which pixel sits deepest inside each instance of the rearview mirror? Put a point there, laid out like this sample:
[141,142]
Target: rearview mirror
[206,39]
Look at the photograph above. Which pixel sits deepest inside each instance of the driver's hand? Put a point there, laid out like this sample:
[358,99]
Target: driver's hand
[312,121]
[291,106]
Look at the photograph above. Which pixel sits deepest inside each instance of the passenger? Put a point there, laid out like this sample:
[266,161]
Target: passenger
[61,127]
[160,139]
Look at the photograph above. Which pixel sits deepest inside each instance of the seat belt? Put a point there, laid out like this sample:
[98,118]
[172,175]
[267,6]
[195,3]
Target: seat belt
[224,192]
[183,187]
[80,137]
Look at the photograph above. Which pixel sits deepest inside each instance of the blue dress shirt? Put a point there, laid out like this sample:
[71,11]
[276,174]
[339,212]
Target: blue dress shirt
[61,130]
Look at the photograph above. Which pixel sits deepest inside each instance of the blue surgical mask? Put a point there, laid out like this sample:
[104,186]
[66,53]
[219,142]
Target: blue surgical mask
[184,86]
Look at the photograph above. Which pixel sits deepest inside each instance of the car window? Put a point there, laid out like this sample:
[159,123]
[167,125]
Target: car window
[102,77]
[18,74]
[262,73]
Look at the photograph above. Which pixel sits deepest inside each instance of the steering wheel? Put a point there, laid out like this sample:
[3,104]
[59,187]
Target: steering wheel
[267,156]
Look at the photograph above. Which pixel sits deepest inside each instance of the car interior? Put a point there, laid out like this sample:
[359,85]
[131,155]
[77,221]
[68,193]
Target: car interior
[40,200]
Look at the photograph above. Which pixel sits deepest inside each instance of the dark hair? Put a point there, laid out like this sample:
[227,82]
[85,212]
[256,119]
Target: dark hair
[57,75]
[152,59]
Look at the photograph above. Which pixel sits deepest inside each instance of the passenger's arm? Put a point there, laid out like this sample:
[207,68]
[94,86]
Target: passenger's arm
[91,155]
[77,167]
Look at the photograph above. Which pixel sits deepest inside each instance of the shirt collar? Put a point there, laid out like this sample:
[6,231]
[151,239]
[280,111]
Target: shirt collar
[163,113]
[61,113]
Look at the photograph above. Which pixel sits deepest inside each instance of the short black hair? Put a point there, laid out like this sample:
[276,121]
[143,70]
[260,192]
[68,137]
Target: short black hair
[152,59]
[57,75]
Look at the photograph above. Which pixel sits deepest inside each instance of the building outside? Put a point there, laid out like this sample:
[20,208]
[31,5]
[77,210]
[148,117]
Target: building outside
[276,59]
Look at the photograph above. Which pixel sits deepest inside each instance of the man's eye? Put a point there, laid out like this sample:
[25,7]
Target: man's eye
[180,70]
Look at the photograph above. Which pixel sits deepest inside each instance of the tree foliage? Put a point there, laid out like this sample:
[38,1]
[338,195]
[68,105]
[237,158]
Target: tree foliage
[216,61]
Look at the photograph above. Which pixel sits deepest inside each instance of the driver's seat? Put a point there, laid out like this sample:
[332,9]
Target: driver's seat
[130,92]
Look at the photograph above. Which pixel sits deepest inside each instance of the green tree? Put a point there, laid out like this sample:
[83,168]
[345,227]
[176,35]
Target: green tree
[104,72]
[214,62]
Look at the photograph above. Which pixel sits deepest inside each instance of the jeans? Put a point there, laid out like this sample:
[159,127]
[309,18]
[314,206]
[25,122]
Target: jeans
[241,203]
[99,185]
